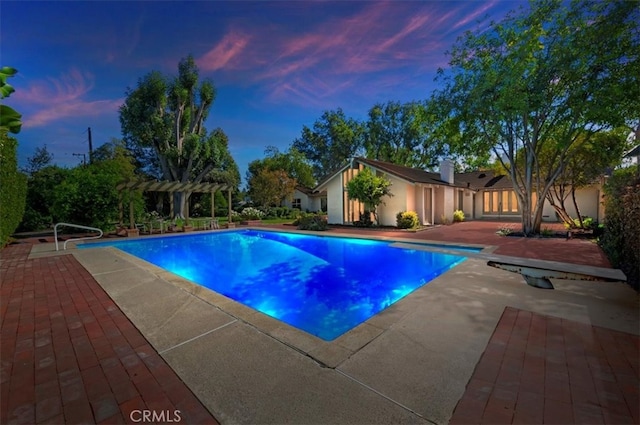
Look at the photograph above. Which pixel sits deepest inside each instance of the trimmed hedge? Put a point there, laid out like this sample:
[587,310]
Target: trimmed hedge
[13,188]
[407,220]
[620,240]
[310,221]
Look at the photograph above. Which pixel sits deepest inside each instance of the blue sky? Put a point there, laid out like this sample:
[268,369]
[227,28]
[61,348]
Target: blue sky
[276,65]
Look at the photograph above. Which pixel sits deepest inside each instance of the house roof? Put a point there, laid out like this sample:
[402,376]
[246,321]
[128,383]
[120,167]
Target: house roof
[633,152]
[304,189]
[475,180]
[413,175]
[483,180]
[309,191]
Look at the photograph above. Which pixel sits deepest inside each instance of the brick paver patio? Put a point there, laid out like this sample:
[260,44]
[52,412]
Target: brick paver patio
[69,354]
[539,370]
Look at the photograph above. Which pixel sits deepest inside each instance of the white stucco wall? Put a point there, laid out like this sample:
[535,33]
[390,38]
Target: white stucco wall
[588,200]
[334,200]
[314,203]
[402,200]
[448,202]
[304,200]
[468,205]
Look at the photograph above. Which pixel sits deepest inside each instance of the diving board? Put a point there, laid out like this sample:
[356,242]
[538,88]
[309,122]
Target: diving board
[535,272]
[538,272]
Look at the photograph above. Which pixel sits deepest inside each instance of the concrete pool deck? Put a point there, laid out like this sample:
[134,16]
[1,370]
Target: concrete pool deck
[411,363]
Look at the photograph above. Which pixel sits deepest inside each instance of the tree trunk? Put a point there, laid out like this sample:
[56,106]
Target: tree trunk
[575,205]
[179,202]
[527,224]
[560,210]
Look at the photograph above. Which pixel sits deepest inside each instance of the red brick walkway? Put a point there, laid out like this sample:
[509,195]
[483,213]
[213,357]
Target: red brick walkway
[538,369]
[69,355]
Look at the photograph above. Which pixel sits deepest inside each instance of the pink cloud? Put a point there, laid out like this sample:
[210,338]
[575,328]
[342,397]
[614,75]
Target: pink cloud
[57,98]
[414,24]
[378,38]
[67,87]
[223,54]
[475,15]
[76,108]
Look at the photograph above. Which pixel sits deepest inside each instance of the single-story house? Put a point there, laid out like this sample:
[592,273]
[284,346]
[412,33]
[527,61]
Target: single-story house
[433,196]
[307,199]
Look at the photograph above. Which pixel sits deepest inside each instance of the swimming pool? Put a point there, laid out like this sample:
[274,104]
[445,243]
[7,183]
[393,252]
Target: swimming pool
[322,285]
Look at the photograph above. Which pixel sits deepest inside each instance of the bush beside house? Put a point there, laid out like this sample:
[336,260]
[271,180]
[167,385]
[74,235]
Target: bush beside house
[13,188]
[620,240]
[407,220]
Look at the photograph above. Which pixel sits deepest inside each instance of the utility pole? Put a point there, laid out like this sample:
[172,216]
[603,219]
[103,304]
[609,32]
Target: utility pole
[84,157]
[90,147]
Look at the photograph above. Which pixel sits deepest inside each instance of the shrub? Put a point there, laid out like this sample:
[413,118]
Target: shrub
[620,239]
[504,231]
[13,191]
[407,220]
[315,222]
[294,213]
[236,217]
[251,213]
[546,232]
[588,223]
[88,195]
[458,216]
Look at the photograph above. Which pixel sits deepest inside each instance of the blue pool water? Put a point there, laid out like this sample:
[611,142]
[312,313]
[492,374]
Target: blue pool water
[322,285]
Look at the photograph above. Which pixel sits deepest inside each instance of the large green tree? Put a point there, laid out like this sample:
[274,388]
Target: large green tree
[165,117]
[542,77]
[87,195]
[41,191]
[292,163]
[402,133]
[333,139]
[269,188]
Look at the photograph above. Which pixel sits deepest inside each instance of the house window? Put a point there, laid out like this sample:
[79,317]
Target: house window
[297,203]
[500,202]
[351,208]
[461,200]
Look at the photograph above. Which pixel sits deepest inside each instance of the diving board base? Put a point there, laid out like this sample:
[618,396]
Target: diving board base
[538,277]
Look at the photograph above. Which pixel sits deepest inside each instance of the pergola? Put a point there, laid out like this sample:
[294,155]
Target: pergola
[170,187]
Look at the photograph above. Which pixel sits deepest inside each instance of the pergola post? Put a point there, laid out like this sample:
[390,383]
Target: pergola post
[171,188]
[230,223]
[186,209]
[213,209]
[132,222]
[132,230]
[120,208]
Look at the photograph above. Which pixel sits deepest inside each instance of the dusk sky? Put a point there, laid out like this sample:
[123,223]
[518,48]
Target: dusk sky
[276,65]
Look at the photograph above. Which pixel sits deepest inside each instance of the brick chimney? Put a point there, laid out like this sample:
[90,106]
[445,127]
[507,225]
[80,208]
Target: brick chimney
[446,170]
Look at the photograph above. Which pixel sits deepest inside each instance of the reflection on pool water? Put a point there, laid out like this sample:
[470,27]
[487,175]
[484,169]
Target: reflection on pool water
[322,285]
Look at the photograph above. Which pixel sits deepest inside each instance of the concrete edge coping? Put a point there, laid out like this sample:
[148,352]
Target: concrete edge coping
[327,353]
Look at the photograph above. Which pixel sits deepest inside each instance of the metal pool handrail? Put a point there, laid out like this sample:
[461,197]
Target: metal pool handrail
[55,233]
